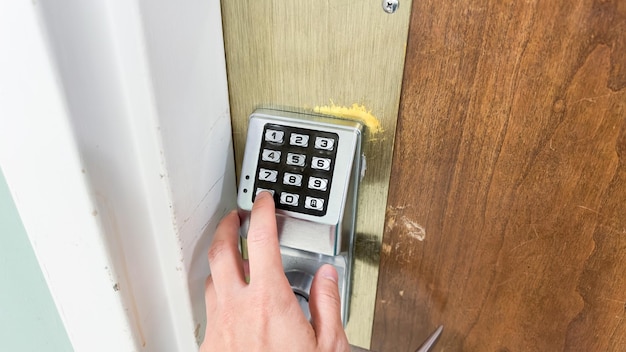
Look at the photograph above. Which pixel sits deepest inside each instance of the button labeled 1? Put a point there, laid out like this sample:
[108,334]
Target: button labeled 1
[295,159]
[274,136]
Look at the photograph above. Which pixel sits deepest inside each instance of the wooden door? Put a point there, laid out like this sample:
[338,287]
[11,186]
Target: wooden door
[506,218]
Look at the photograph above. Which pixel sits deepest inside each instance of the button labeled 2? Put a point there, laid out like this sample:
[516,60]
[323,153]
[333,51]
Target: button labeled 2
[301,140]
[274,136]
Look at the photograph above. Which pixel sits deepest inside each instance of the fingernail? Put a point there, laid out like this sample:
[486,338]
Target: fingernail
[328,272]
[263,194]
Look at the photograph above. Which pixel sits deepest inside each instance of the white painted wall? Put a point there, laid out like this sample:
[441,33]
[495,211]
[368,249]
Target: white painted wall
[25,300]
[115,141]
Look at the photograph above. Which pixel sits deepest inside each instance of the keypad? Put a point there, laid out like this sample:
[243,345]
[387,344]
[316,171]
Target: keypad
[296,165]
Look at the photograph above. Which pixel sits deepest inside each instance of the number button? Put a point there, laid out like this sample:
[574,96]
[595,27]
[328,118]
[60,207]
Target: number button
[292,179]
[320,163]
[318,183]
[314,203]
[272,156]
[259,190]
[324,143]
[268,175]
[274,136]
[301,140]
[295,159]
[289,199]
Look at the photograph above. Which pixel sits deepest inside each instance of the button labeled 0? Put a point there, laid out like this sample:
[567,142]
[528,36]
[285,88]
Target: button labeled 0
[289,199]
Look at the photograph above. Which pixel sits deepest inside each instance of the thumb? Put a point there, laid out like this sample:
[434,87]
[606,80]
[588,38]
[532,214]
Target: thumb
[325,306]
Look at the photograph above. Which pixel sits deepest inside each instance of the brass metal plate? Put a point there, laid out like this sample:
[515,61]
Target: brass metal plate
[344,58]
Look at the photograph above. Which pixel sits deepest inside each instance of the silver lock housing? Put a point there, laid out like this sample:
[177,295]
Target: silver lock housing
[308,241]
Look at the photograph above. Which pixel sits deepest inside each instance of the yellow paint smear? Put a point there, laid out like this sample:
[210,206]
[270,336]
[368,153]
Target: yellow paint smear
[355,112]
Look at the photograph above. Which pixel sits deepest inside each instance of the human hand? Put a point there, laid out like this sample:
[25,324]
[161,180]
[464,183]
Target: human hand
[264,315]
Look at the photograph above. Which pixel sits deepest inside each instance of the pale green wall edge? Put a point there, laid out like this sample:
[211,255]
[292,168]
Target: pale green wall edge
[29,320]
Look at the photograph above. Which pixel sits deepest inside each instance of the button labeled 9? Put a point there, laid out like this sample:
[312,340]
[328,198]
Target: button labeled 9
[318,183]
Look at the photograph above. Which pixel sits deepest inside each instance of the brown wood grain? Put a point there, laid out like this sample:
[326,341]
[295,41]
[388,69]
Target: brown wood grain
[506,217]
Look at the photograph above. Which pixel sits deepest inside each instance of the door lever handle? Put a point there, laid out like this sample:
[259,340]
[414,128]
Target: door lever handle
[431,340]
[425,347]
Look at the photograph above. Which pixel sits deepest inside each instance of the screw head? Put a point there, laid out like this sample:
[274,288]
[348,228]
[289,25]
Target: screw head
[390,6]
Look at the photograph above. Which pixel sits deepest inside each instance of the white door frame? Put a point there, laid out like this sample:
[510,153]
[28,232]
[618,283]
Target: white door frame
[115,141]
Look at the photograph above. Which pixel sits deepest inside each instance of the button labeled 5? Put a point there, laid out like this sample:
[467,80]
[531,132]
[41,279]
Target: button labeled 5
[295,159]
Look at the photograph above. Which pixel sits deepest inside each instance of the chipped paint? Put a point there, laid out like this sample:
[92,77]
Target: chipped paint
[414,229]
[355,112]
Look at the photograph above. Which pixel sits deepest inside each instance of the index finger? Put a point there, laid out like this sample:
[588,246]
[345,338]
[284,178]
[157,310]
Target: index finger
[263,248]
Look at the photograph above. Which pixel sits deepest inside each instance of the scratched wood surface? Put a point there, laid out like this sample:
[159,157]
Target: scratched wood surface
[305,54]
[506,217]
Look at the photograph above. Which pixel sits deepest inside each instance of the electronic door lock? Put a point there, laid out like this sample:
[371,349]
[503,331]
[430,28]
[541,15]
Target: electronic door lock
[311,165]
